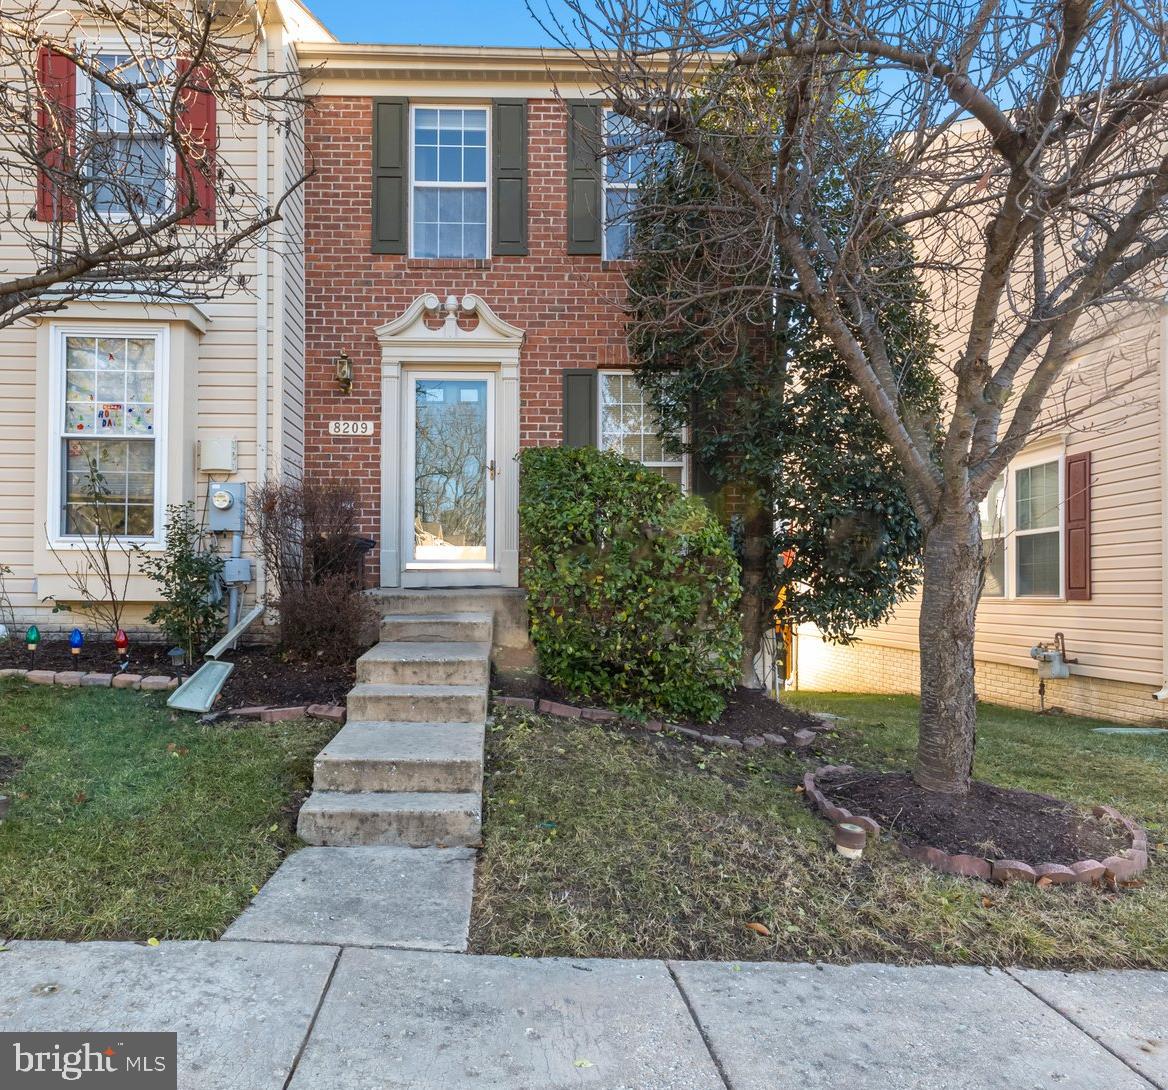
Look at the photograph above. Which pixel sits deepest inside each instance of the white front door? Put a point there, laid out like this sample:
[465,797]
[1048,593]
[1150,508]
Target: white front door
[449,470]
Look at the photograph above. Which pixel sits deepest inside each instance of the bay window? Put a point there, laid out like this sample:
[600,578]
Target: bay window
[107,402]
[448,192]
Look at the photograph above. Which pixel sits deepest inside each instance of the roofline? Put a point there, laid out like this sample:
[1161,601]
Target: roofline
[370,61]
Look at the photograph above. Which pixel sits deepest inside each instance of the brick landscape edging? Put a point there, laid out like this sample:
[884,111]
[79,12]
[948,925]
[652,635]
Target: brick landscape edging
[1122,867]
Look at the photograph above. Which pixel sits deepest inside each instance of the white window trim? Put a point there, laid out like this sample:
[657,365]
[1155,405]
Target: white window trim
[84,95]
[605,186]
[484,185]
[683,461]
[1010,531]
[58,541]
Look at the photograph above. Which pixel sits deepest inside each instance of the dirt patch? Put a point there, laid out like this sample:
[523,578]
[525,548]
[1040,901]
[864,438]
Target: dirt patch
[749,712]
[991,822]
[9,767]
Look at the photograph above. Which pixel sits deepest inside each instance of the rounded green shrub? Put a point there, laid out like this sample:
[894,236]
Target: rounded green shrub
[632,588]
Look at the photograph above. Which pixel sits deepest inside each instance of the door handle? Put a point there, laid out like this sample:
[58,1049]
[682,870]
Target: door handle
[491,469]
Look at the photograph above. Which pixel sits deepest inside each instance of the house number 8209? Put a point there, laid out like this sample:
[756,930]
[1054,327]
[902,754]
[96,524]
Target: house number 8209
[350,427]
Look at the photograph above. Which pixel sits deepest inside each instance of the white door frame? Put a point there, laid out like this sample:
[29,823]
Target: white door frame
[428,337]
[410,377]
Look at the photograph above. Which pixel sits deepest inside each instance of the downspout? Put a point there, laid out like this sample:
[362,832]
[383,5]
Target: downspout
[262,376]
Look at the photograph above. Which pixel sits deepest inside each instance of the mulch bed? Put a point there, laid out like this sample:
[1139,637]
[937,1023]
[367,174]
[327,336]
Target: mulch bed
[749,712]
[261,675]
[993,822]
[97,655]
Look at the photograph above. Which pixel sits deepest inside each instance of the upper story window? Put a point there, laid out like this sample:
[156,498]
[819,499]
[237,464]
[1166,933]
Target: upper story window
[449,182]
[1022,531]
[629,426]
[128,157]
[106,394]
[624,163]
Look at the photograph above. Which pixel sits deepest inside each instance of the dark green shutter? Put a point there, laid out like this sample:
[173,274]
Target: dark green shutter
[580,423]
[510,171]
[584,193]
[701,482]
[391,160]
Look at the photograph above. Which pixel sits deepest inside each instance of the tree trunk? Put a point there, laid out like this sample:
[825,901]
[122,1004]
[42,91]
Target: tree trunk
[952,583]
[757,605]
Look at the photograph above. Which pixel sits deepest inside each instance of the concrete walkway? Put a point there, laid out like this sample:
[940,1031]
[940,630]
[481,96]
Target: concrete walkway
[268,1016]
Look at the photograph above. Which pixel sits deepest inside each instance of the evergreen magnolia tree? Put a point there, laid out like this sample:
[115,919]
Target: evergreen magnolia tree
[732,360]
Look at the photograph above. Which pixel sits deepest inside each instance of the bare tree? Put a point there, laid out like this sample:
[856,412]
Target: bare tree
[111,173]
[1023,146]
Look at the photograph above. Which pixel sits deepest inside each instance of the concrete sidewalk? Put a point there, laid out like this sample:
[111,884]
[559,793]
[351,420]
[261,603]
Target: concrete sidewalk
[265,1016]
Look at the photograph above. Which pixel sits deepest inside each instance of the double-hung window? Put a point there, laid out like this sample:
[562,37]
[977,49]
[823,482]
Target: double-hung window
[624,163]
[128,158]
[107,394]
[449,182]
[629,426]
[1022,530]
[1038,530]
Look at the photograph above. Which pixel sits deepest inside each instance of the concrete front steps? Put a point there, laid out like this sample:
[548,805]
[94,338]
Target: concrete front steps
[407,769]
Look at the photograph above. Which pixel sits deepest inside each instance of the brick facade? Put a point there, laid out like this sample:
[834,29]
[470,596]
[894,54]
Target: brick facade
[568,306]
[866,667]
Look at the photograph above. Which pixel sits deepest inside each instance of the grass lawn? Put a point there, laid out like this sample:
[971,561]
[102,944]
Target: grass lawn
[130,821]
[599,843]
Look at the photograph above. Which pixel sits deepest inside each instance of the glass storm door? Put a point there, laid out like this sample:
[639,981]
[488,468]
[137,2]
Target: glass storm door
[450,471]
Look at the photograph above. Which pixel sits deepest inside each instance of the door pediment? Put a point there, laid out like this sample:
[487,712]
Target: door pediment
[416,329]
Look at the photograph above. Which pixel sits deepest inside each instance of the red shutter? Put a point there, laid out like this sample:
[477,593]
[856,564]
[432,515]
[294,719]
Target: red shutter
[1077,518]
[57,76]
[197,124]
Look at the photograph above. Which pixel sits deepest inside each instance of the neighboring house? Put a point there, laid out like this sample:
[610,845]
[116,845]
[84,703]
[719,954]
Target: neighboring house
[149,387]
[1075,538]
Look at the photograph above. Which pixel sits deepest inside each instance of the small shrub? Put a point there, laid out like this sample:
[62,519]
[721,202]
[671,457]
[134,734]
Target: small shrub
[192,607]
[632,589]
[98,557]
[307,532]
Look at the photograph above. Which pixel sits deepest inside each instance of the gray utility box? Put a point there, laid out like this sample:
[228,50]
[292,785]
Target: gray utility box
[226,505]
[237,569]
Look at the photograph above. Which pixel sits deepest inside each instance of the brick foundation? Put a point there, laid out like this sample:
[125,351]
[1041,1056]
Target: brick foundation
[872,668]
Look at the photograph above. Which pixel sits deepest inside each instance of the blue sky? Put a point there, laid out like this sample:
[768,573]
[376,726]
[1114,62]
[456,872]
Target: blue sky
[455,22]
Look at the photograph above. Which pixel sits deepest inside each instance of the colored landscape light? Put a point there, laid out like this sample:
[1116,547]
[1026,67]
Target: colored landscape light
[121,641]
[32,637]
[76,641]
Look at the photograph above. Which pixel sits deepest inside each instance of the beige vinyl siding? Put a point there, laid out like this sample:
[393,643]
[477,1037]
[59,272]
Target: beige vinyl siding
[1117,634]
[289,296]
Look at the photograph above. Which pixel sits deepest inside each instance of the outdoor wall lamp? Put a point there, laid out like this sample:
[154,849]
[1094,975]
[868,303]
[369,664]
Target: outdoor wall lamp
[344,372]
